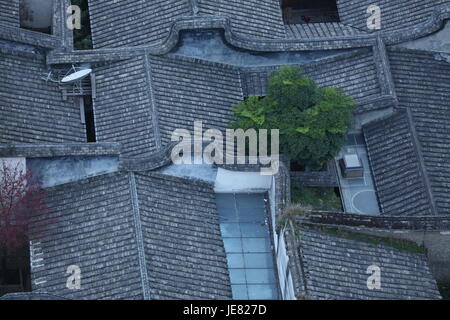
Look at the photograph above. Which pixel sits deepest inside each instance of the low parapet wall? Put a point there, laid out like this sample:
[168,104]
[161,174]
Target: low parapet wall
[327,178]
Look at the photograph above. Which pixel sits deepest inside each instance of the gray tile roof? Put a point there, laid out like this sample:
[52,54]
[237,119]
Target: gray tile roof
[134,236]
[335,268]
[321,30]
[409,164]
[31,109]
[133,22]
[150,236]
[9,13]
[355,74]
[394,14]
[188,90]
[141,22]
[395,165]
[182,240]
[92,228]
[423,86]
[123,107]
[141,101]
[254,18]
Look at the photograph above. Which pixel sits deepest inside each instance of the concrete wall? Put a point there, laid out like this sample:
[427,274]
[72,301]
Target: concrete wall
[54,171]
[233,181]
[284,272]
[282,259]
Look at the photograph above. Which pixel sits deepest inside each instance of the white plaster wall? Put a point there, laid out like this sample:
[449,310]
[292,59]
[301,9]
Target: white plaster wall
[240,182]
[12,163]
[284,277]
[282,259]
[272,193]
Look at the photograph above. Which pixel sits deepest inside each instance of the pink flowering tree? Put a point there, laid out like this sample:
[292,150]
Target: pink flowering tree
[22,205]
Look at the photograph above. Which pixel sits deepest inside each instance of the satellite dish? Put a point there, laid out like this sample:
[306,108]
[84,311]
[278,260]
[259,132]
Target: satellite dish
[76,76]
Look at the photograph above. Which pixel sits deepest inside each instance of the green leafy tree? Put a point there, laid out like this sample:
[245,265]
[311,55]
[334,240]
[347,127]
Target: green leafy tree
[82,37]
[313,121]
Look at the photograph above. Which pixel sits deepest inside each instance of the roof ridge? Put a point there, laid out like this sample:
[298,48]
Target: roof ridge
[86,180]
[385,78]
[31,294]
[25,36]
[352,53]
[422,167]
[34,52]
[296,246]
[163,176]
[151,97]
[139,237]
[196,60]
[373,122]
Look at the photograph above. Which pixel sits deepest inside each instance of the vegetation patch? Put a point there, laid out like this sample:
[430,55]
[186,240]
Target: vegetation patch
[399,244]
[324,199]
[444,289]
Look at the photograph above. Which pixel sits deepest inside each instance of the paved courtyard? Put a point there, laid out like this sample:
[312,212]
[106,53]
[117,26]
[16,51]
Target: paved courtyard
[358,194]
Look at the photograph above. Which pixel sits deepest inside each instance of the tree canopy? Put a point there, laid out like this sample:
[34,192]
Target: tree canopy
[21,200]
[82,38]
[313,121]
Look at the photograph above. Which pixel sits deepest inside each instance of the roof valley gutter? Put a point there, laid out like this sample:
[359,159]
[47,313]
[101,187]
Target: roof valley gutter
[386,79]
[61,21]
[139,237]
[151,96]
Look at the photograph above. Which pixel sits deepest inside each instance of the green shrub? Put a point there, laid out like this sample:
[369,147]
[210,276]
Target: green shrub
[324,199]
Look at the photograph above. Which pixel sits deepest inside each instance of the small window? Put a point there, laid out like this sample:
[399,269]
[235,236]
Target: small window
[309,11]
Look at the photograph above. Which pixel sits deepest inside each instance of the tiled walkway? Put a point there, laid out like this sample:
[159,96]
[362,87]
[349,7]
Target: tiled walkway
[246,237]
